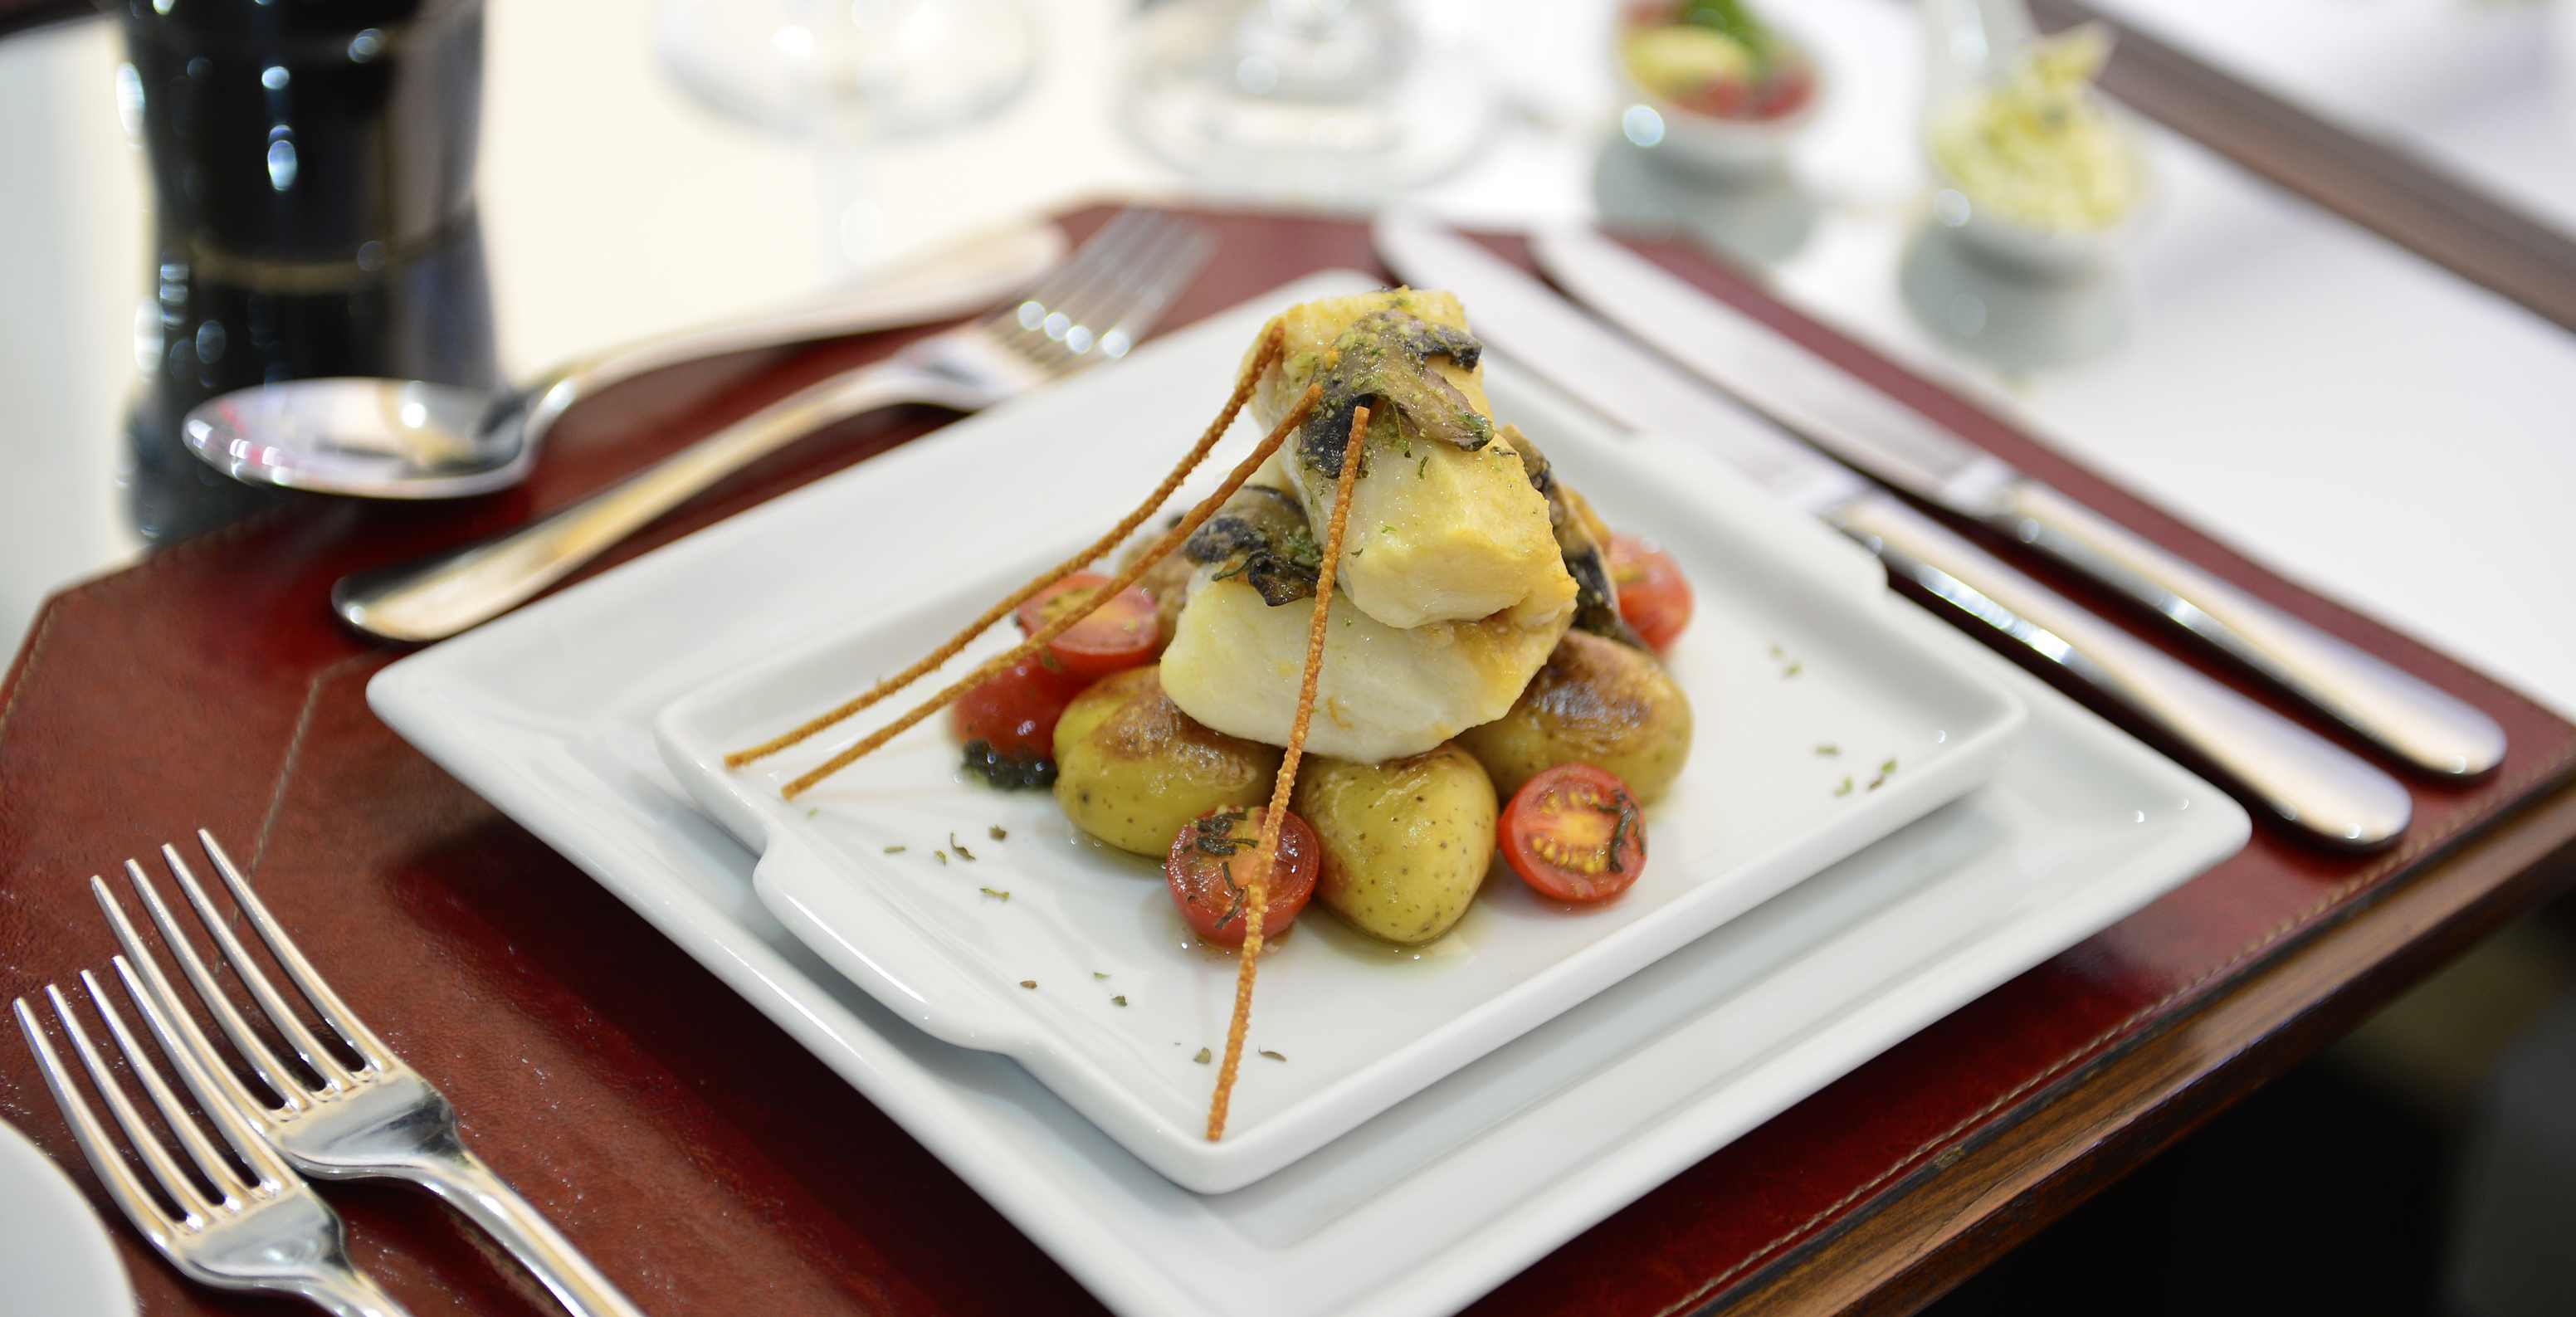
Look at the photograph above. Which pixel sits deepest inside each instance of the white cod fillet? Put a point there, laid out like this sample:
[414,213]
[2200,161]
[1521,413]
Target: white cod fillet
[1384,693]
[1437,534]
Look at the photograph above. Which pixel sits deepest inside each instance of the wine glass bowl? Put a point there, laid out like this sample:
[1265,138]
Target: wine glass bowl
[1309,100]
[858,70]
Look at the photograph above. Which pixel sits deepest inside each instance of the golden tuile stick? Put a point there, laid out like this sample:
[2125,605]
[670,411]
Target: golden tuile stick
[1257,897]
[1038,639]
[1273,344]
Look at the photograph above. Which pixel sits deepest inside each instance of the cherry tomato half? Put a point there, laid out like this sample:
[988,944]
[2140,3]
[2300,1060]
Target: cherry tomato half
[1015,712]
[1574,833]
[1119,634]
[1211,859]
[1653,597]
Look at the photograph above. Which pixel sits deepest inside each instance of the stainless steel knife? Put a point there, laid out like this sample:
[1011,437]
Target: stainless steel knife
[2274,763]
[1845,416]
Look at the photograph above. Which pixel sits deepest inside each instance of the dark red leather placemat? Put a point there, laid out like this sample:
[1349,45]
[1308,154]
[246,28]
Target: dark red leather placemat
[702,1159]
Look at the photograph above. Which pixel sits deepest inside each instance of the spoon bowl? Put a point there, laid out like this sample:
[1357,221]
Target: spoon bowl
[375,438]
[410,439]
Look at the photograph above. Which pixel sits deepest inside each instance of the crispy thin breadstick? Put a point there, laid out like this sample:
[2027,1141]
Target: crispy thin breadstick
[1038,639]
[1272,345]
[1257,896]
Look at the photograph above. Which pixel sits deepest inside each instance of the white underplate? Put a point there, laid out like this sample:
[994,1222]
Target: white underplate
[1797,644]
[55,1258]
[549,714]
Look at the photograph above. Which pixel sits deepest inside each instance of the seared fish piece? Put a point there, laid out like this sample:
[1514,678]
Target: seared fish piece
[1385,692]
[1445,525]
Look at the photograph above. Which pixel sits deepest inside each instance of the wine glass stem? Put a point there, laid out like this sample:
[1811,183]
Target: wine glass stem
[853,227]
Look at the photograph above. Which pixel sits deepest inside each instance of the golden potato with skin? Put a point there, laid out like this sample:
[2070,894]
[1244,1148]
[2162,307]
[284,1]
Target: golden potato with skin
[1594,702]
[1131,768]
[1406,843]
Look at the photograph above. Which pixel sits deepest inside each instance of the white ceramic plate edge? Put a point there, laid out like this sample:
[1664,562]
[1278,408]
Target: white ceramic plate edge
[59,1259]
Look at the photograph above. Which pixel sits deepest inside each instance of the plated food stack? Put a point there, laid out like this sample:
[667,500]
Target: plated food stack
[1395,595]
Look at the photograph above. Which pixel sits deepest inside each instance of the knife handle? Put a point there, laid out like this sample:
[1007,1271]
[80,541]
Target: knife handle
[2415,720]
[2306,780]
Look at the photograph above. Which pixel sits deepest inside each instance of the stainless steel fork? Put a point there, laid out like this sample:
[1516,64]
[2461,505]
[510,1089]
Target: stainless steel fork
[331,1120]
[265,1230]
[1092,310]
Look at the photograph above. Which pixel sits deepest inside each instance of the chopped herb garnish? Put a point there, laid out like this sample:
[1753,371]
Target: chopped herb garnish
[1794,669]
[814,811]
[1829,749]
[1118,1001]
[962,852]
[1028,983]
[1272,1055]
[997,895]
[997,833]
[1423,472]
[1876,782]
[1098,975]
[941,856]
[1888,767]
[1845,789]
[1777,652]
[1202,1058]
[897,850]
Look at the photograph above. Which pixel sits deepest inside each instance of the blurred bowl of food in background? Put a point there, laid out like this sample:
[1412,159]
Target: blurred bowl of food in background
[2036,170]
[1711,87]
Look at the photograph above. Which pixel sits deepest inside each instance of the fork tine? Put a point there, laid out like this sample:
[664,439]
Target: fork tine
[1119,299]
[146,1212]
[299,971]
[289,1088]
[192,1200]
[172,1021]
[200,1149]
[1109,298]
[1150,290]
[1111,237]
[1090,278]
[225,1101]
[334,1074]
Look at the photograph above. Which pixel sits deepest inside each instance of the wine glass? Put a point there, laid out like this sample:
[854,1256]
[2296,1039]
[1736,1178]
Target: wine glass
[849,76]
[1326,101]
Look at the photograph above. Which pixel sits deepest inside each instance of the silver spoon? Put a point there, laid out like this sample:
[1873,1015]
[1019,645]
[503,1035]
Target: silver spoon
[380,438]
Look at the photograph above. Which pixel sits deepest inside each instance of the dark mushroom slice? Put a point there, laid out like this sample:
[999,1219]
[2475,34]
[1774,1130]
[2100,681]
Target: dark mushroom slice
[1596,597]
[1383,360]
[1261,535]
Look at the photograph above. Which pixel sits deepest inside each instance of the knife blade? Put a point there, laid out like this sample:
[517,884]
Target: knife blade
[1848,418]
[2274,763]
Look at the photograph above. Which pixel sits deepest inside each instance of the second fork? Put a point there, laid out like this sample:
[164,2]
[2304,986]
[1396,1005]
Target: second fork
[331,1120]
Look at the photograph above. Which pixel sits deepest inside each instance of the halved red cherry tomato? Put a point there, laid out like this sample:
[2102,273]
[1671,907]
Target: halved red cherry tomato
[1653,597]
[1574,833]
[1015,712]
[1210,865]
[1119,634]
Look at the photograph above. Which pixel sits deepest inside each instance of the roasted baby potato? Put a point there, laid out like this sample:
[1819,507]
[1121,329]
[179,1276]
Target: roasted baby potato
[1406,843]
[1594,702]
[1131,768]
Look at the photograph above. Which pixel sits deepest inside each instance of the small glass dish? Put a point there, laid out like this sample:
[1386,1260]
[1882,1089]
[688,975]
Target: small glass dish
[2022,247]
[1733,126]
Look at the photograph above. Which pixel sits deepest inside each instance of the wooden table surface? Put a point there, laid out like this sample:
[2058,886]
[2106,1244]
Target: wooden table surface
[699,1156]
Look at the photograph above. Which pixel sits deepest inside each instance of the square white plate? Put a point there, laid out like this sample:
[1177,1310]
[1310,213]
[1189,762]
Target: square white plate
[1792,650]
[549,714]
